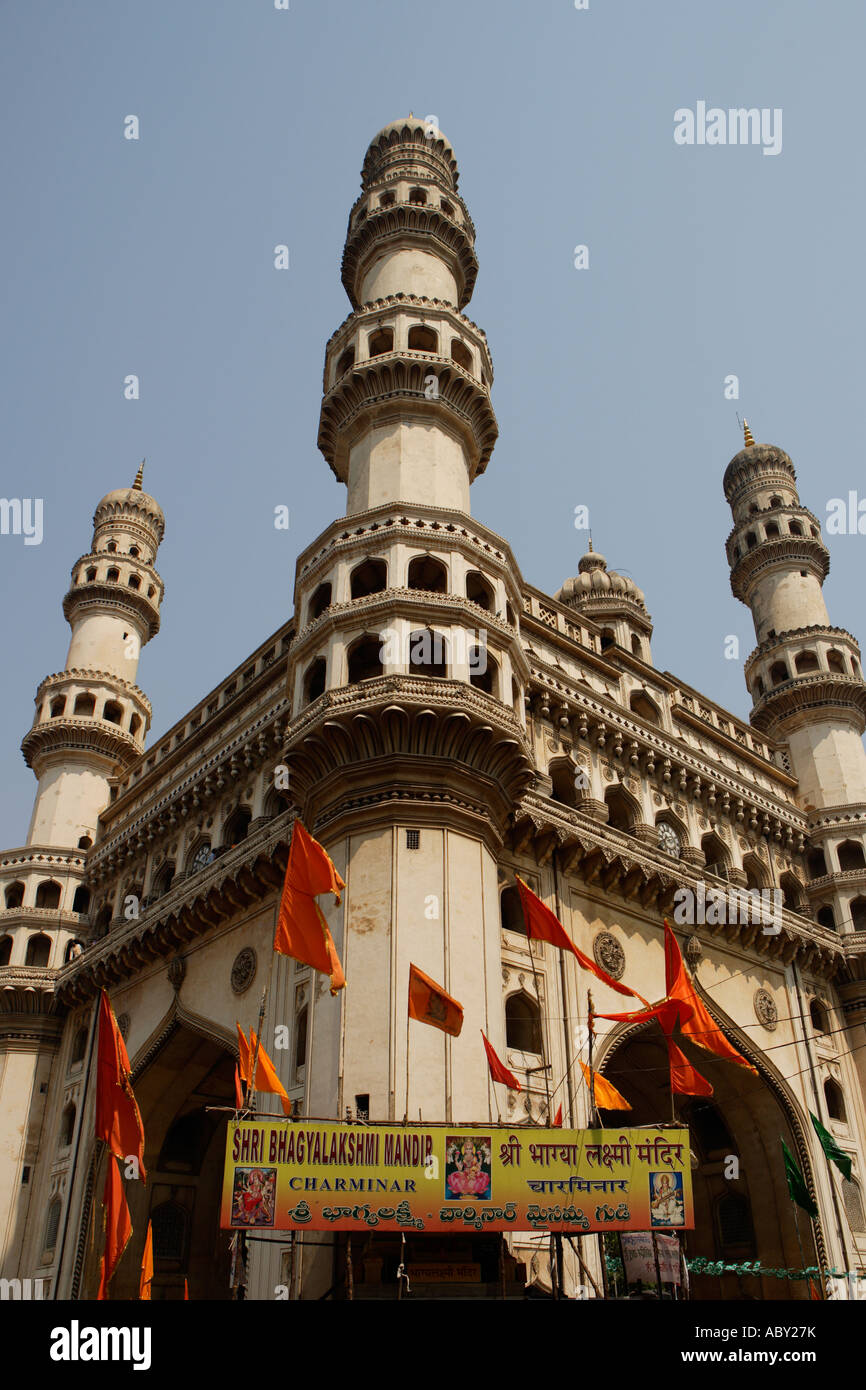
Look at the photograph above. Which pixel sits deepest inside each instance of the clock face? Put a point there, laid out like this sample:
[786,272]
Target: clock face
[669,840]
[203,855]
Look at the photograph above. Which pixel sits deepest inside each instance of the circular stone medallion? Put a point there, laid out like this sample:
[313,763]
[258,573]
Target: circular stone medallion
[609,954]
[243,970]
[765,1009]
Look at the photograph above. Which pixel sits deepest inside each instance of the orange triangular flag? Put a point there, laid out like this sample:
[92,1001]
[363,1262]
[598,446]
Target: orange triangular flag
[186,1290]
[429,1003]
[694,1018]
[685,1081]
[302,931]
[558,1119]
[244,1061]
[239,1093]
[542,925]
[607,1097]
[146,1266]
[266,1076]
[117,1118]
[498,1070]
[118,1226]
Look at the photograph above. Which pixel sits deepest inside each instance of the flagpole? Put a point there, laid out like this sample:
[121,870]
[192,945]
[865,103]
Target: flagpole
[593,1113]
[251,1085]
[74,1165]
[408,987]
[541,1029]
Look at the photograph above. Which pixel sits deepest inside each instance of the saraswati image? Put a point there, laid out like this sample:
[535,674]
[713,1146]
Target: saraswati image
[667,1203]
[467,1169]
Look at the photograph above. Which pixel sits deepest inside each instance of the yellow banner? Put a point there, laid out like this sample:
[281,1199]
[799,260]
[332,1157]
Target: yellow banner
[318,1176]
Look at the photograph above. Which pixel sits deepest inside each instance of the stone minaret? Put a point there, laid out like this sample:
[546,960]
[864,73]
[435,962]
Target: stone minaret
[90,724]
[407,744]
[804,675]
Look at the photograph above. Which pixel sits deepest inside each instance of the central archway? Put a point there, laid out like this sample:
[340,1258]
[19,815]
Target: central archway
[749,1217]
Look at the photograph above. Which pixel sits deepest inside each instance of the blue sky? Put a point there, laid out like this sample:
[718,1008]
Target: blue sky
[155,257]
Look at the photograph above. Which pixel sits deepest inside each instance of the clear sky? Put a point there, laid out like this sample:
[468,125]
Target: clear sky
[155,257]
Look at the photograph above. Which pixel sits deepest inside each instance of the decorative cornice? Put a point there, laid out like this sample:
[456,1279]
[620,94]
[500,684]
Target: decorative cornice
[795,552]
[406,301]
[79,675]
[423,226]
[792,636]
[112,596]
[429,608]
[813,693]
[68,734]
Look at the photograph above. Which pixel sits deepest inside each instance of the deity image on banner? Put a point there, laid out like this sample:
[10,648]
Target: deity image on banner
[467,1169]
[667,1203]
[253,1196]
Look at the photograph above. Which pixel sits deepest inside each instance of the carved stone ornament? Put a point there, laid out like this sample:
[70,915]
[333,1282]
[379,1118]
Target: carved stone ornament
[609,954]
[243,970]
[123,1022]
[765,1009]
[177,971]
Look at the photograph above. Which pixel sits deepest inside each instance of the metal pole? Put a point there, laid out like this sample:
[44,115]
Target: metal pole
[80,1118]
[563,986]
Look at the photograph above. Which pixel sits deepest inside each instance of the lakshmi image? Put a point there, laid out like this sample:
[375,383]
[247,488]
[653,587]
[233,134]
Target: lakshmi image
[667,1207]
[467,1172]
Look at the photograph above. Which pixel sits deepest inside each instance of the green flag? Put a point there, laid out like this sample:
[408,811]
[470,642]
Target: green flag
[831,1148]
[797,1188]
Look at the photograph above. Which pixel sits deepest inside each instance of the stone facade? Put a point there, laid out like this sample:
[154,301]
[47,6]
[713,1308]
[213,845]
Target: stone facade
[439,725]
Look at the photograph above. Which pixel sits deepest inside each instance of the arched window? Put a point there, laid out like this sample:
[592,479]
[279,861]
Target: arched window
[58,706]
[795,528]
[386,200]
[461,355]
[479,591]
[135,725]
[483,670]
[91,573]
[417,197]
[111,547]
[84,704]
[736,1233]
[360,215]
[772,530]
[836,662]
[48,894]
[818,1015]
[319,602]
[237,826]
[775,501]
[301,1041]
[79,1047]
[52,1224]
[850,854]
[67,1127]
[792,892]
[645,708]
[380,342]
[5,949]
[112,575]
[635,645]
[816,863]
[858,914]
[365,659]
[370,577]
[511,911]
[201,856]
[103,920]
[715,854]
[162,881]
[757,689]
[73,950]
[345,362]
[608,638]
[423,339]
[756,874]
[835,1100]
[778,673]
[14,895]
[134,581]
[81,901]
[522,1024]
[275,803]
[562,775]
[805,662]
[825,917]
[428,574]
[112,712]
[621,812]
[446,208]
[134,551]
[670,840]
[751,539]
[314,680]
[853,1201]
[38,950]
[706,1122]
[169,1223]
[428,653]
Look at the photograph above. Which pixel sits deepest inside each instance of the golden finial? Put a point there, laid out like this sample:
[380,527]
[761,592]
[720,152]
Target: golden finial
[747,434]
[136,486]
[590,545]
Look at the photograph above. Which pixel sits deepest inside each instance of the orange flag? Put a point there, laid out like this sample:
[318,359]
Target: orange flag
[429,1003]
[607,1097]
[685,1081]
[186,1290]
[118,1121]
[302,931]
[558,1118]
[266,1076]
[118,1226]
[695,1020]
[239,1093]
[146,1266]
[542,925]
[498,1070]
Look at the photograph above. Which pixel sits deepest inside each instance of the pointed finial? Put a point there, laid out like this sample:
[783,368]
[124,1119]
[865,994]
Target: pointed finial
[590,543]
[136,486]
[747,434]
